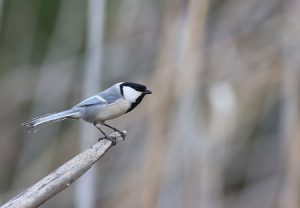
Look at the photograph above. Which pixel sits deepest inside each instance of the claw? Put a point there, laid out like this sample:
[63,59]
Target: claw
[115,129]
[113,140]
[109,138]
[123,135]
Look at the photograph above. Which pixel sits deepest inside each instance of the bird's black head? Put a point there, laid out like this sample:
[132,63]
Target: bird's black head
[134,93]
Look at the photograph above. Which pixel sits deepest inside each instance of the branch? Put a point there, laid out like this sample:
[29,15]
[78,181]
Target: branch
[62,177]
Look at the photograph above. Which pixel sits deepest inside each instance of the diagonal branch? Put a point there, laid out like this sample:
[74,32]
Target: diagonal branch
[62,177]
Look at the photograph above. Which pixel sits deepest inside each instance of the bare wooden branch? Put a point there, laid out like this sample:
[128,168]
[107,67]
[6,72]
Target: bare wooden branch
[62,177]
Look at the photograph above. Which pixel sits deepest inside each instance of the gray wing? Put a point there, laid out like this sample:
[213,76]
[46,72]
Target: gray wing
[110,96]
[95,100]
[107,96]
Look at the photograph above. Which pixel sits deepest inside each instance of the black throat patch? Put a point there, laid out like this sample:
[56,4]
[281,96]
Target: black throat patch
[137,101]
[138,87]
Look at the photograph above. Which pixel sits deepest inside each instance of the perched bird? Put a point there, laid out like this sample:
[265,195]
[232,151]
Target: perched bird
[111,103]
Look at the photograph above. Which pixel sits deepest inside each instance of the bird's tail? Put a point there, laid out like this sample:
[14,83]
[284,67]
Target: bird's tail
[31,125]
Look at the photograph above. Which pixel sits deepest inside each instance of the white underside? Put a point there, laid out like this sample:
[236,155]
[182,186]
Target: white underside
[99,113]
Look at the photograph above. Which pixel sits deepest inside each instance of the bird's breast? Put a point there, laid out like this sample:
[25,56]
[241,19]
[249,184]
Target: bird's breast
[106,111]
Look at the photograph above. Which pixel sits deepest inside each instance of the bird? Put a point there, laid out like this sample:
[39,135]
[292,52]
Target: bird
[115,101]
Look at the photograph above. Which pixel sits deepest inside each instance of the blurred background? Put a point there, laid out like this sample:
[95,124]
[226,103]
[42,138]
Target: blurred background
[221,129]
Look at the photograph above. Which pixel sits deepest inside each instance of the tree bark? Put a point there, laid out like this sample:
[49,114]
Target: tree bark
[62,177]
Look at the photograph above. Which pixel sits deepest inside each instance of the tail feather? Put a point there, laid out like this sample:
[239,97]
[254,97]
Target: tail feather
[31,125]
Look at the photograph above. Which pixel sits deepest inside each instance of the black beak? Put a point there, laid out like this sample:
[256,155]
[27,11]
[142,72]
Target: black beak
[147,92]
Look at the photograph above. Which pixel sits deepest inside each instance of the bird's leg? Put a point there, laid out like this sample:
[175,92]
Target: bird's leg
[98,127]
[115,129]
[113,140]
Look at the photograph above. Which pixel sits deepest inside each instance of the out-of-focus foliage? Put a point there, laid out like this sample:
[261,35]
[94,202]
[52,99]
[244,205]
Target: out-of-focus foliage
[220,130]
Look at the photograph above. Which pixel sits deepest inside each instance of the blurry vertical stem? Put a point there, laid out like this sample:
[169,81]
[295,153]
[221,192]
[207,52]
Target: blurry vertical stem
[182,162]
[291,107]
[179,60]
[1,10]
[161,105]
[85,188]
[197,190]
[60,72]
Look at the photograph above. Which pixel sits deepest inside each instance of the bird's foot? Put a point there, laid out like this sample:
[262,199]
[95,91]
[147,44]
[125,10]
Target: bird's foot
[123,135]
[112,139]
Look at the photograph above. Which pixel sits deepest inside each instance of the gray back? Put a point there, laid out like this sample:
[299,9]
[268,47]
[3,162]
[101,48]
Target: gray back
[111,94]
[107,96]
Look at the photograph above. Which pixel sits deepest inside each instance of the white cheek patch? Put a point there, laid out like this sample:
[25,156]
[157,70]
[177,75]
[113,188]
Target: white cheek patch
[131,94]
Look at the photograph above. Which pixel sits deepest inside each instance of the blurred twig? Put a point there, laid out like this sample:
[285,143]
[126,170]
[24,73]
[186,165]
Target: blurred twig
[86,188]
[289,197]
[62,177]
